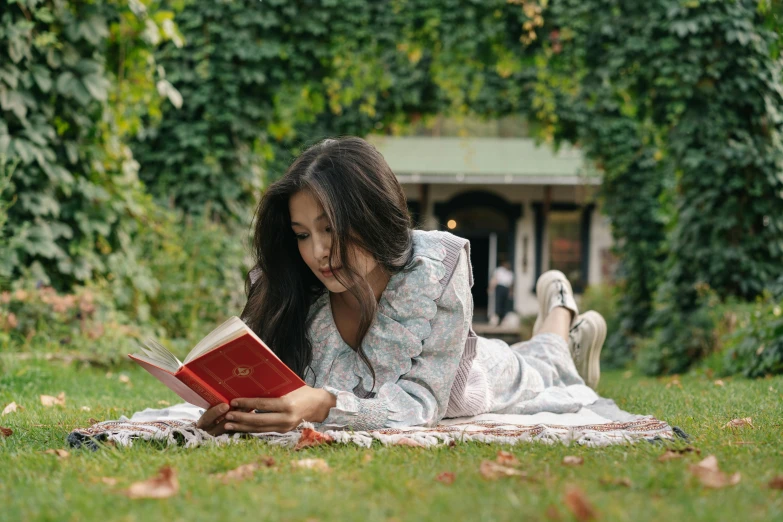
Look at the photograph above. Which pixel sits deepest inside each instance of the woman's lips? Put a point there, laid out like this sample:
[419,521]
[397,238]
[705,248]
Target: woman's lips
[329,273]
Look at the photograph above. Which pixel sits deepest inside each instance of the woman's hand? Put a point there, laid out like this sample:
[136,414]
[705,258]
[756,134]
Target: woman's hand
[280,415]
[213,420]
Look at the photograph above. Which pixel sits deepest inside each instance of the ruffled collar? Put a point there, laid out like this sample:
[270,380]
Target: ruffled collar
[402,323]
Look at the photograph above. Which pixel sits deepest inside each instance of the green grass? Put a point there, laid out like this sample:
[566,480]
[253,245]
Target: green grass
[398,483]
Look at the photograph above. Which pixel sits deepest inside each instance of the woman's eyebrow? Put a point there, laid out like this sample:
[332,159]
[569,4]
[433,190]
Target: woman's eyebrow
[319,218]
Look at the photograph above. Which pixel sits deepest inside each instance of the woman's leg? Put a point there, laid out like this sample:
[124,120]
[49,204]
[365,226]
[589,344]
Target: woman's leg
[557,322]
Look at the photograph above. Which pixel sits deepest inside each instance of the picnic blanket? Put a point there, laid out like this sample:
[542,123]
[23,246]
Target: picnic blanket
[601,423]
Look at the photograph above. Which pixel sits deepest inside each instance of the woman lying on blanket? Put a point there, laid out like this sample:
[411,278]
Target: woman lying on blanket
[376,317]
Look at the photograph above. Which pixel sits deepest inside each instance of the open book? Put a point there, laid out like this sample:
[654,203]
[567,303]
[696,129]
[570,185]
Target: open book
[230,362]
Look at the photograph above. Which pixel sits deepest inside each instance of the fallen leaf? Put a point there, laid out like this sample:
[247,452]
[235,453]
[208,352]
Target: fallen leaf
[492,470]
[507,459]
[11,408]
[608,481]
[405,441]
[310,437]
[164,403]
[576,501]
[672,454]
[245,471]
[776,482]
[162,485]
[719,382]
[93,421]
[447,477]
[124,379]
[61,453]
[269,462]
[739,423]
[109,481]
[675,381]
[571,460]
[85,408]
[6,432]
[314,464]
[452,444]
[711,476]
[367,458]
[48,400]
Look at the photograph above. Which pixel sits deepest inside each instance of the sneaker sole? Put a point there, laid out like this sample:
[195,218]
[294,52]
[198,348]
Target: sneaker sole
[594,327]
[541,288]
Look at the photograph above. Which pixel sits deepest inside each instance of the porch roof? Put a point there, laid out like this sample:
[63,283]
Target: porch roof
[516,161]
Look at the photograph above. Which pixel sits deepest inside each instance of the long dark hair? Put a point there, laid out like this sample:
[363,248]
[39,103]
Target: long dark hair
[366,208]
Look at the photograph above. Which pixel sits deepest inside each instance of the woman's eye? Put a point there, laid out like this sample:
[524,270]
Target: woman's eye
[300,237]
[328,229]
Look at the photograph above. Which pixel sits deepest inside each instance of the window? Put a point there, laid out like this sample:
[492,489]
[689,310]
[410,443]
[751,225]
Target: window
[565,244]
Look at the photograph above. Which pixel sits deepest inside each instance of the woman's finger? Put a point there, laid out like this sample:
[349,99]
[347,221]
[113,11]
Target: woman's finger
[212,416]
[257,422]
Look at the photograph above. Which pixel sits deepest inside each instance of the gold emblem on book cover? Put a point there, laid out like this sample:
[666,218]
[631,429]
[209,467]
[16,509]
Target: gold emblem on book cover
[243,371]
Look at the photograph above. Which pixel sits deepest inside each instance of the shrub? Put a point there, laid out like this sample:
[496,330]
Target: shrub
[755,348]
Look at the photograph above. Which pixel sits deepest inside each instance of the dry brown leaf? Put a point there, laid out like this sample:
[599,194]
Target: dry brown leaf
[269,462]
[164,403]
[61,453]
[48,400]
[405,441]
[672,454]
[367,458]
[624,481]
[162,485]
[124,379]
[245,471]
[11,408]
[571,460]
[507,459]
[776,482]
[85,408]
[310,437]
[576,501]
[447,477]
[739,423]
[711,476]
[6,432]
[675,381]
[719,382]
[492,470]
[109,481]
[93,421]
[314,464]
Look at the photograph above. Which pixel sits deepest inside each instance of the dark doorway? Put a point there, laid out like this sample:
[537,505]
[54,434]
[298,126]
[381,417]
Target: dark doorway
[479,257]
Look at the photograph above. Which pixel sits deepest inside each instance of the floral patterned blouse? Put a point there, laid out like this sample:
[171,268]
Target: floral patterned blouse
[415,344]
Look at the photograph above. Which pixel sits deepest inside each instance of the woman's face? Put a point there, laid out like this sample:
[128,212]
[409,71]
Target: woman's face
[314,237]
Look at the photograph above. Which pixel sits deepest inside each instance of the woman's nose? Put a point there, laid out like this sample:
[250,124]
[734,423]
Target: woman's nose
[321,248]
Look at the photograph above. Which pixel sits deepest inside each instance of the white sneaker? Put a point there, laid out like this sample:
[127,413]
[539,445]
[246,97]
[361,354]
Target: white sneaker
[585,341]
[553,290]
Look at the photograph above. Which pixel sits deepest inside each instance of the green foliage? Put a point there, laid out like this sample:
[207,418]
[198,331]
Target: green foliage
[77,194]
[200,266]
[755,348]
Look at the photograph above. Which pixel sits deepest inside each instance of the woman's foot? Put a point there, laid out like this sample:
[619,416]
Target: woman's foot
[585,341]
[553,290]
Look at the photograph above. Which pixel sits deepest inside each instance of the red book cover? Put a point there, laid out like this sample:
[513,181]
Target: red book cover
[243,367]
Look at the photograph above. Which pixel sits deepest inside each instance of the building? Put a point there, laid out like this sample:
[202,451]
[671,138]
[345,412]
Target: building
[511,198]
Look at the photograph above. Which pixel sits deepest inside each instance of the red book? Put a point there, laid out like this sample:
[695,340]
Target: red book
[230,362]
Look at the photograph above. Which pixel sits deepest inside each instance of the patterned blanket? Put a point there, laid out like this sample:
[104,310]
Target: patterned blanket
[599,424]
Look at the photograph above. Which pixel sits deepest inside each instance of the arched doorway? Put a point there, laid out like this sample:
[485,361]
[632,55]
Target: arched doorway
[489,222]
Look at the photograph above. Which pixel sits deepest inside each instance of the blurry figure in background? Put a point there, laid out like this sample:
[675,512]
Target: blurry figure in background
[502,283]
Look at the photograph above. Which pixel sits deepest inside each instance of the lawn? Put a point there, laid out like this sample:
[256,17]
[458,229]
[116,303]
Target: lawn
[395,483]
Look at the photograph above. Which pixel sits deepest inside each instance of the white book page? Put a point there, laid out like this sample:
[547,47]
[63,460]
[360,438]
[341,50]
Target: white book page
[158,355]
[228,331]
